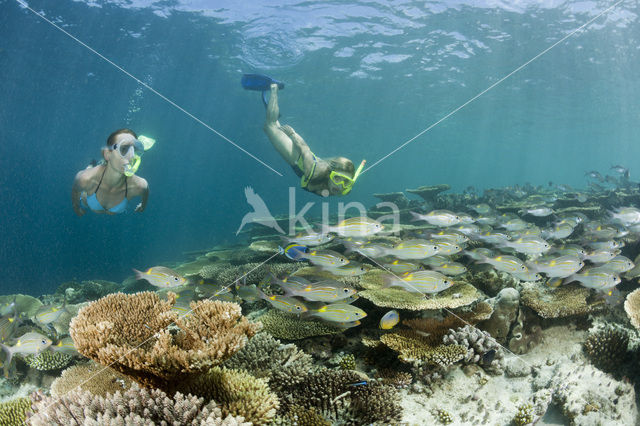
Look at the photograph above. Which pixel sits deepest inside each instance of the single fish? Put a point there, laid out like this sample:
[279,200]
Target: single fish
[353,269]
[527,276]
[560,266]
[161,276]
[437,217]
[425,282]
[46,314]
[361,226]
[450,268]
[321,291]
[325,258]
[465,218]
[366,249]
[559,231]
[65,346]
[284,303]
[595,278]
[626,215]
[605,245]
[413,249]
[310,239]
[594,175]
[528,245]
[450,235]
[537,211]
[447,248]
[514,225]
[504,263]
[482,208]
[28,343]
[570,250]
[620,169]
[401,266]
[601,256]
[467,229]
[248,293]
[339,312]
[389,320]
[294,251]
[492,237]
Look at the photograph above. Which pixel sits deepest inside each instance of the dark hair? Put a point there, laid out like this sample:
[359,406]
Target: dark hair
[112,137]
[342,164]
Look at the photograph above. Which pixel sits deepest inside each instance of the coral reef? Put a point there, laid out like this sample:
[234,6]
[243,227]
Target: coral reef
[412,346]
[286,326]
[429,193]
[524,416]
[227,274]
[492,281]
[91,377]
[632,307]
[237,392]
[525,333]
[48,360]
[336,396]
[135,406]
[478,344]
[443,416]
[460,294]
[569,300]
[131,334]
[398,379]
[298,415]
[77,292]
[265,357]
[397,198]
[607,348]
[347,362]
[14,412]
[586,395]
[26,305]
[436,327]
[505,309]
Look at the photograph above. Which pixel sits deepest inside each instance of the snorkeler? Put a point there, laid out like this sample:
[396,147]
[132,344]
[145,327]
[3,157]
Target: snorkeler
[108,186]
[324,177]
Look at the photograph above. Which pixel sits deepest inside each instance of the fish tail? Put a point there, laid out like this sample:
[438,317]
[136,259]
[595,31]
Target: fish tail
[388,281]
[139,274]
[415,216]
[7,362]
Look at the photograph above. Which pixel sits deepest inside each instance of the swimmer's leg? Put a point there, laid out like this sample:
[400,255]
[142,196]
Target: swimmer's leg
[280,141]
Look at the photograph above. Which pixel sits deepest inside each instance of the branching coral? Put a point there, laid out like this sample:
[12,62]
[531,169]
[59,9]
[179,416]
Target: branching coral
[48,360]
[136,406]
[266,357]
[131,334]
[334,395]
[571,299]
[607,348]
[237,392]
[92,377]
[480,348]
[227,274]
[14,412]
[290,327]
[415,347]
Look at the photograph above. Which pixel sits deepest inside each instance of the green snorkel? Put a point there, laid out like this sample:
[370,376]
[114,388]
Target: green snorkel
[142,144]
[345,181]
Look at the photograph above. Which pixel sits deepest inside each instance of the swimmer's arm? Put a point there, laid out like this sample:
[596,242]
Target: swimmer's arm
[76,190]
[144,193]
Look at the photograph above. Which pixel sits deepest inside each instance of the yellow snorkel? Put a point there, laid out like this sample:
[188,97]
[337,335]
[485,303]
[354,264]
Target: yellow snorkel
[345,181]
[143,143]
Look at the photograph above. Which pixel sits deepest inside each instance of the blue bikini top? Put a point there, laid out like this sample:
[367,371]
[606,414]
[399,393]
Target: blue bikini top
[94,204]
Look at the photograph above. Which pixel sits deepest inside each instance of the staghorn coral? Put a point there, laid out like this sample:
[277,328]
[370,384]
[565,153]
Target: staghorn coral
[237,392]
[398,379]
[136,406]
[92,377]
[333,394]
[14,412]
[477,344]
[569,300]
[48,360]
[347,362]
[607,348]
[131,334]
[266,357]
[415,347]
[632,307]
[286,326]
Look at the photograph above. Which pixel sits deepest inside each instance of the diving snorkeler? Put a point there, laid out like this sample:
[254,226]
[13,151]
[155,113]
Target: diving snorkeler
[107,187]
[324,177]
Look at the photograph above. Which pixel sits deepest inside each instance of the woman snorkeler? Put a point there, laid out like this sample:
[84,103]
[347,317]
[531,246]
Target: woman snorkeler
[324,177]
[108,187]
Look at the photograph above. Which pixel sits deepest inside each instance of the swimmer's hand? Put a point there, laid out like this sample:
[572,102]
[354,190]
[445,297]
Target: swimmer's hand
[139,208]
[287,130]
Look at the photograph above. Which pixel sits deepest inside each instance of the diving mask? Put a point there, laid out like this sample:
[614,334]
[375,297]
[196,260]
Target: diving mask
[133,152]
[344,181]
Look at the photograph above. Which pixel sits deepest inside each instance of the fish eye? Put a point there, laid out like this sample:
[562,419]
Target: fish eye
[298,308]
[44,342]
[346,290]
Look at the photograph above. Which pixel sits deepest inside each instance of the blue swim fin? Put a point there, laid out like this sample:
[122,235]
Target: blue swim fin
[259,82]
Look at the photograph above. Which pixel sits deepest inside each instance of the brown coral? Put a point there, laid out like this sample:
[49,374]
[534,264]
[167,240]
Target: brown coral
[140,336]
[438,328]
[569,300]
[413,346]
[632,308]
[136,406]
[92,377]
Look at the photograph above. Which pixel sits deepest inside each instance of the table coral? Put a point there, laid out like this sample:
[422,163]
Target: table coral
[632,308]
[132,334]
[290,327]
[92,377]
[412,346]
[569,300]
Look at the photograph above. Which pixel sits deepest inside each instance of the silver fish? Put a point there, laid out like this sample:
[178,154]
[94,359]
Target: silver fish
[425,282]
[161,276]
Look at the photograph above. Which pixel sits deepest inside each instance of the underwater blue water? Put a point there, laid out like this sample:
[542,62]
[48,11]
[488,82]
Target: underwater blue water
[361,79]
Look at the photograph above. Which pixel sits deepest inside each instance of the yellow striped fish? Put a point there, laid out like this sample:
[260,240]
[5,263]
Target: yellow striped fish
[28,343]
[428,282]
[284,303]
[161,276]
[325,258]
[413,249]
[339,312]
[65,346]
[360,226]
